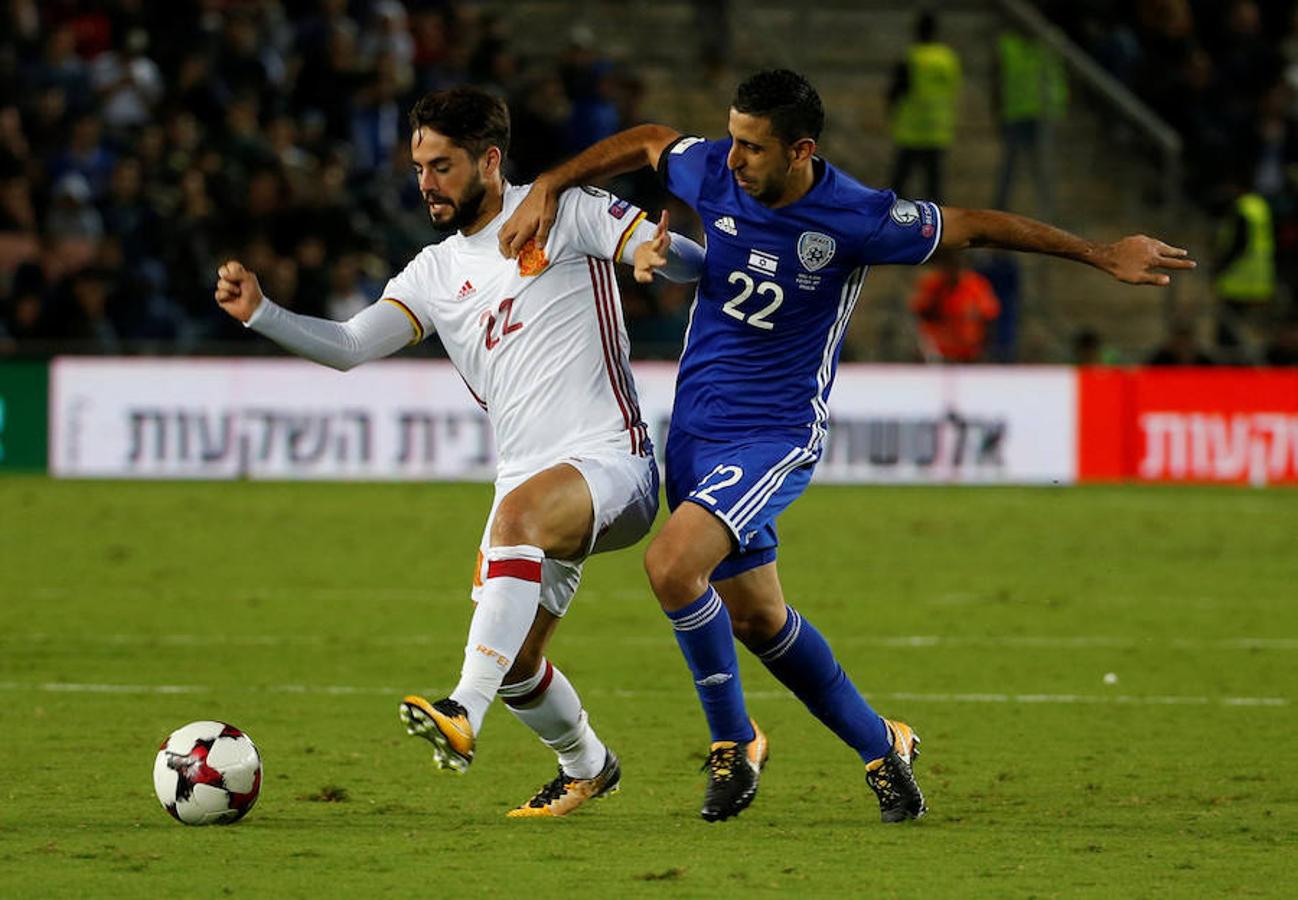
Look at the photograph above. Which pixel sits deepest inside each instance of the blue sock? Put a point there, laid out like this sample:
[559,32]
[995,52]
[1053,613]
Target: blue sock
[799,656]
[703,632]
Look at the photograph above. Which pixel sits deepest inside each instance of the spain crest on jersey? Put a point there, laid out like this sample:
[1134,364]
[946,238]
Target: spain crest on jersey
[531,259]
[815,250]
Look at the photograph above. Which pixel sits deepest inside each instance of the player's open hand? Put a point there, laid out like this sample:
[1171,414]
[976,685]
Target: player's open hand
[651,255]
[531,219]
[1136,260]
[237,290]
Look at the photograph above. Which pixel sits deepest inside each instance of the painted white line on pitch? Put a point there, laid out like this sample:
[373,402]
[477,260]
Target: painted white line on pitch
[61,687]
[64,687]
[914,641]
[1107,699]
[50,592]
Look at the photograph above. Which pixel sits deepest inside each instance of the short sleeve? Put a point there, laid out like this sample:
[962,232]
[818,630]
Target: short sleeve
[406,290]
[907,232]
[597,223]
[683,166]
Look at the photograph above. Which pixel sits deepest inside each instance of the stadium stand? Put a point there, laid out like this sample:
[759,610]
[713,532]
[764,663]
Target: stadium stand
[132,132]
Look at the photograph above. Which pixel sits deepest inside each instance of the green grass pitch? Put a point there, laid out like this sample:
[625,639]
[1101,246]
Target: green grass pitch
[987,618]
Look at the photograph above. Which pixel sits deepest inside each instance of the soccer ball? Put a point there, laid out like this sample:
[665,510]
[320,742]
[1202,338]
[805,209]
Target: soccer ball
[207,773]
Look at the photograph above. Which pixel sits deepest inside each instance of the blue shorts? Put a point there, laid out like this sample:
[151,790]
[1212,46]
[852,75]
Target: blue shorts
[745,483]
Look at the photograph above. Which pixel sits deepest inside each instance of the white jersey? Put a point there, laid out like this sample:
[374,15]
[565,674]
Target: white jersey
[540,340]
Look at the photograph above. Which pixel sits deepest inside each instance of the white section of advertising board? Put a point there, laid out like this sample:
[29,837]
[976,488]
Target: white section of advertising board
[985,424]
[254,418]
[411,420]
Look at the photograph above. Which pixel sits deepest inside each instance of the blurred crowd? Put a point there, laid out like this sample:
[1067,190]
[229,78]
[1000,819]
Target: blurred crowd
[142,142]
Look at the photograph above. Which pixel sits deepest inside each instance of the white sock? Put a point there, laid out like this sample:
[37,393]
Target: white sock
[548,704]
[506,608]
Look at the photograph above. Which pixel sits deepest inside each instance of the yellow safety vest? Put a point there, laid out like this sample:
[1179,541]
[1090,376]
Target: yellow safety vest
[925,117]
[1251,277]
[1034,84]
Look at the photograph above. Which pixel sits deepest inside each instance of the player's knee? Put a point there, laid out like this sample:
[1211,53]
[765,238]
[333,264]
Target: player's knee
[525,665]
[515,524]
[755,627]
[673,582]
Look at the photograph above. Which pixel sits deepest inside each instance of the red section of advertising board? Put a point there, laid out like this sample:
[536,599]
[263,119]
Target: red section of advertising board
[1103,425]
[1236,426]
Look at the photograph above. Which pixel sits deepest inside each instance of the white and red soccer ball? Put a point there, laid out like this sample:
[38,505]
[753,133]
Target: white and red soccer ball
[207,773]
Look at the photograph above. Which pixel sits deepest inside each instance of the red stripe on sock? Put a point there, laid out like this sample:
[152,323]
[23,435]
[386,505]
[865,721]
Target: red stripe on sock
[536,692]
[522,569]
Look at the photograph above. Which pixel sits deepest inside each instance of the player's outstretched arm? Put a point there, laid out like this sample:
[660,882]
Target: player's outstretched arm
[1135,259]
[625,151]
[374,332]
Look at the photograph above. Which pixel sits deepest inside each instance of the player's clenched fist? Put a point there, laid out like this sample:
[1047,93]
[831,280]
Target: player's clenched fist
[237,290]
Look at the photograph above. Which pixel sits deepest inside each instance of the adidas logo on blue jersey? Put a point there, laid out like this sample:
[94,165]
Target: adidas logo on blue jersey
[726,224]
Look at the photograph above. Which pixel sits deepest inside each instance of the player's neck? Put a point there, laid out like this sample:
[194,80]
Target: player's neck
[493,201]
[800,181]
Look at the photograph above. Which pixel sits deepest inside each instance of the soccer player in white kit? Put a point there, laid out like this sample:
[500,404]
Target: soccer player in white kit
[541,344]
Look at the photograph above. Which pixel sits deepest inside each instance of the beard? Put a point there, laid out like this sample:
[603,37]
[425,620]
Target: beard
[764,192]
[466,209]
[769,192]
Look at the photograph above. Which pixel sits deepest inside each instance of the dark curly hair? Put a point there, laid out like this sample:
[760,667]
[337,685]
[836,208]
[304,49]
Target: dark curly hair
[786,99]
[468,116]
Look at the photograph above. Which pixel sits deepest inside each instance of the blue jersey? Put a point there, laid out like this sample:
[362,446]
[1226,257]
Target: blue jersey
[777,291]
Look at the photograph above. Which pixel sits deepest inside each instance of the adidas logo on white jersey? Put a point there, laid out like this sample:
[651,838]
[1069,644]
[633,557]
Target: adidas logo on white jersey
[466,290]
[726,224]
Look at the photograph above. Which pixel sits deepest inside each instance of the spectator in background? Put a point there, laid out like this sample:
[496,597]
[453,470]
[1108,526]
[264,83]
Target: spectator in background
[62,69]
[590,81]
[376,118]
[1180,348]
[72,215]
[83,311]
[1245,282]
[126,213]
[922,101]
[128,83]
[19,226]
[539,110]
[1282,350]
[955,307]
[86,154]
[1088,348]
[246,64]
[189,249]
[712,22]
[1032,93]
[24,315]
[390,36]
[348,294]
[1005,277]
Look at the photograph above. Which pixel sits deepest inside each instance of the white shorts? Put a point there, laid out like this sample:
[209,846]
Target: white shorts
[624,498]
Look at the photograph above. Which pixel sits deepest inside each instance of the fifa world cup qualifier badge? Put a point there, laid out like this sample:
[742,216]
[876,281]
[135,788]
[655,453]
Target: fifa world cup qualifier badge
[531,260]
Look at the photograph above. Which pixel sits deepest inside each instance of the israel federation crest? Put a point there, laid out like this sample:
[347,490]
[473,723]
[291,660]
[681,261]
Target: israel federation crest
[815,250]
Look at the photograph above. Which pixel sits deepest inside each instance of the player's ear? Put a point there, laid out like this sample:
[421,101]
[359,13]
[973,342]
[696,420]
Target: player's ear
[491,160]
[803,149]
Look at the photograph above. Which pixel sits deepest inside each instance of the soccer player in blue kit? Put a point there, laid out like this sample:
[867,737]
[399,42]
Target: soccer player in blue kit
[789,242]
